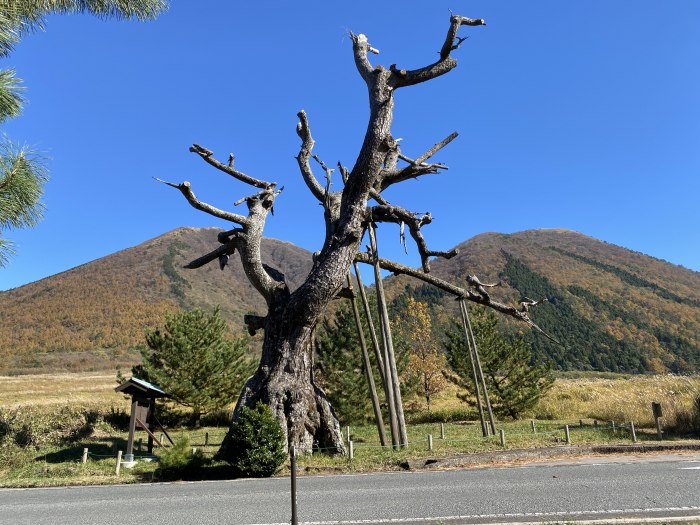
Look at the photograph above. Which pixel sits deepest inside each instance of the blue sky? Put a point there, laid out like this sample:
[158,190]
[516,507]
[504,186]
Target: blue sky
[579,115]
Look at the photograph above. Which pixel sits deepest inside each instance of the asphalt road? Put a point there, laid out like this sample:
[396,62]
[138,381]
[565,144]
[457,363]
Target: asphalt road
[593,488]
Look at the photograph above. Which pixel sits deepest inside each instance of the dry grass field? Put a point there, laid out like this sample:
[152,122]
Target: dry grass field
[55,416]
[619,398]
[622,398]
[92,388]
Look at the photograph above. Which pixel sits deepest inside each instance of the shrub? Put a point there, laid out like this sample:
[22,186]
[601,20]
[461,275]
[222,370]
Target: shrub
[446,415]
[179,460]
[255,443]
[37,427]
[687,421]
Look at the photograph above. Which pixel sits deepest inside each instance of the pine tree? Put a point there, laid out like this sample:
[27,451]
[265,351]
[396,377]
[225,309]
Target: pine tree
[22,171]
[192,360]
[339,368]
[514,382]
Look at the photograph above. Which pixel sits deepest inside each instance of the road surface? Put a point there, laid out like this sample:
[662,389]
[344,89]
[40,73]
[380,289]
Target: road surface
[592,488]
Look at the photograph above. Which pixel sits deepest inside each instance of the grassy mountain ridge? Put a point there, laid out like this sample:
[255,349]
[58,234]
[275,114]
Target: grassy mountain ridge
[93,316]
[613,309]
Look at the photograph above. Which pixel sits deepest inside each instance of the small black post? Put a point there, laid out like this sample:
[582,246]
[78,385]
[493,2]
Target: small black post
[293,457]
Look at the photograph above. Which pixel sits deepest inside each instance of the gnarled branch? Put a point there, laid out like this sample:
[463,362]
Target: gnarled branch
[360,49]
[208,156]
[445,64]
[450,288]
[187,192]
[254,323]
[224,250]
[307,144]
[398,215]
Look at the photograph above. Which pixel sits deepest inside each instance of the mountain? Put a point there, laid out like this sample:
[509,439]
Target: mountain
[611,308]
[94,316]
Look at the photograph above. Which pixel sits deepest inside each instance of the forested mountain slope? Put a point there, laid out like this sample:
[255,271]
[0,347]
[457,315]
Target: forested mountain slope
[613,309]
[94,315]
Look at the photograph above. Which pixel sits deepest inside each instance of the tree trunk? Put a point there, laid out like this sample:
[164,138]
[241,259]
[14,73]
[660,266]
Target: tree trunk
[284,381]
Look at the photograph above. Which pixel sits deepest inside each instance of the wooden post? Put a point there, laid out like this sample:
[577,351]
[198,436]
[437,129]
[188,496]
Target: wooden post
[85,455]
[293,467]
[612,424]
[206,439]
[430,442]
[132,427]
[503,438]
[477,389]
[580,423]
[633,432]
[389,357]
[369,376]
[659,432]
[595,424]
[149,420]
[140,444]
[532,425]
[119,462]
[442,430]
[568,436]
[162,437]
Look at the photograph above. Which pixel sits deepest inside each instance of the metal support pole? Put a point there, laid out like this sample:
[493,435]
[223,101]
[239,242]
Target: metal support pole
[481,372]
[472,360]
[532,425]
[503,438]
[442,430]
[293,466]
[351,450]
[612,424]
[568,436]
[119,462]
[376,407]
[659,432]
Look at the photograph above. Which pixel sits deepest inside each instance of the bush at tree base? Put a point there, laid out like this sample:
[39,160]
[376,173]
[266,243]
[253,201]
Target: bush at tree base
[255,443]
[179,460]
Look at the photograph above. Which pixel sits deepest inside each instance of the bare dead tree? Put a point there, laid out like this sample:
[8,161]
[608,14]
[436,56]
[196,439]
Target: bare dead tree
[284,378]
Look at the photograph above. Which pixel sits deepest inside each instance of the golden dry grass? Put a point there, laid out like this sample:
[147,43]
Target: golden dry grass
[88,388]
[620,399]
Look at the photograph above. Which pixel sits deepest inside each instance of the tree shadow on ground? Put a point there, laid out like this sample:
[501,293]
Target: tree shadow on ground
[97,448]
[212,472]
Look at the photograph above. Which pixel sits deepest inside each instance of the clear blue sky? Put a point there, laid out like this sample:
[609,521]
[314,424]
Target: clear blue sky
[579,115]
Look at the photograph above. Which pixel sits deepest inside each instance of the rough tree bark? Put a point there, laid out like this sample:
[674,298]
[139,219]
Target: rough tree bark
[284,378]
